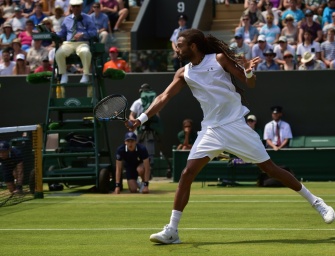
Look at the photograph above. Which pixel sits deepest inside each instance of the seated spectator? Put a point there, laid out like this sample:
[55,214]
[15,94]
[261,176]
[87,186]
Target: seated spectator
[8,9]
[327,12]
[282,47]
[289,62]
[308,46]
[277,133]
[290,31]
[261,47]
[328,49]
[2,19]
[7,37]
[308,62]
[187,136]
[297,14]
[48,43]
[240,48]
[44,67]
[115,11]
[250,33]
[36,54]
[328,26]
[18,21]
[28,8]
[268,64]
[312,26]
[16,45]
[252,122]
[57,19]
[254,14]
[38,15]
[115,62]
[100,20]
[271,31]
[65,5]
[26,36]
[6,67]
[318,16]
[247,4]
[269,9]
[21,67]
[313,5]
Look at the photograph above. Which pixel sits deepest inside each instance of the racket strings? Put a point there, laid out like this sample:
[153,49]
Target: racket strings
[111,108]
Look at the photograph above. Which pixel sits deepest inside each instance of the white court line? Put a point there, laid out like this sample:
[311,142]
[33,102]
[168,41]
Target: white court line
[184,229]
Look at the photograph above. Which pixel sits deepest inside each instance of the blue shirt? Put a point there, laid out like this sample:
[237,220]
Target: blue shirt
[36,20]
[86,26]
[264,67]
[132,158]
[297,14]
[327,15]
[101,21]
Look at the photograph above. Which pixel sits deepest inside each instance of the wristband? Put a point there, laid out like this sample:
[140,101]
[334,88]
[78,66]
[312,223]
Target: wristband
[248,75]
[146,183]
[117,184]
[143,118]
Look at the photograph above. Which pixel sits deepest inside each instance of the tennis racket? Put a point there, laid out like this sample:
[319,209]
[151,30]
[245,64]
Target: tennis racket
[112,107]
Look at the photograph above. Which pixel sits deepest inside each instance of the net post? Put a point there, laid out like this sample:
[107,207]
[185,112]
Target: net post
[38,163]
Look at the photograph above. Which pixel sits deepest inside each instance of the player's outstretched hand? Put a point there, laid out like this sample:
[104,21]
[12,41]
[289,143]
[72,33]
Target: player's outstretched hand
[249,65]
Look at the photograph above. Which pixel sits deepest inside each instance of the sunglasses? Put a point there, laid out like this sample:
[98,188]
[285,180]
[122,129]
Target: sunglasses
[76,6]
[237,37]
[96,7]
[245,19]
[261,41]
[287,57]
[289,20]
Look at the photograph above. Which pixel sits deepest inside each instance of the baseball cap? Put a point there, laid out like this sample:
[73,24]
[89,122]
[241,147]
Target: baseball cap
[238,34]
[76,2]
[276,109]
[113,49]
[282,39]
[20,56]
[182,17]
[130,136]
[261,38]
[17,9]
[4,145]
[251,117]
[145,88]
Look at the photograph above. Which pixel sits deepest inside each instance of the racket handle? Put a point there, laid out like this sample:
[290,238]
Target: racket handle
[130,124]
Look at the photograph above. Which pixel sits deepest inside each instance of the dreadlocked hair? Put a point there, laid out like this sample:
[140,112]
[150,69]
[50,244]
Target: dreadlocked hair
[211,44]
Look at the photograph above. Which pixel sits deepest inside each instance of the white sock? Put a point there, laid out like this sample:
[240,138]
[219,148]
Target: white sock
[307,194]
[175,218]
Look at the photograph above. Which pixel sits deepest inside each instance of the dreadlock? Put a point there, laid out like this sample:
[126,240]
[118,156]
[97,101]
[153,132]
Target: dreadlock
[211,44]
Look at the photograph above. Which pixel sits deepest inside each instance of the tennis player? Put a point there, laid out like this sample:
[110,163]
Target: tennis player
[211,77]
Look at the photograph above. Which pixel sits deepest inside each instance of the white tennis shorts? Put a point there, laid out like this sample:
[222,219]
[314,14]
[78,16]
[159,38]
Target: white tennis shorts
[236,138]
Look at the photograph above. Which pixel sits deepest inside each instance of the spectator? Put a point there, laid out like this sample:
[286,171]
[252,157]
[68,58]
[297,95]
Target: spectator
[8,9]
[115,62]
[247,4]
[57,19]
[21,67]
[271,31]
[7,37]
[290,31]
[46,66]
[115,12]
[2,19]
[240,48]
[6,67]
[48,43]
[268,64]
[327,12]
[26,36]
[182,20]
[269,9]
[260,48]
[328,26]
[36,54]
[328,49]
[100,20]
[38,15]
[280,48]
[289,63]
[297,14]
[28,8]
[18,21]
[250,33]
[318,16]
[77,28]
[313,5]
[312,26]
[16,45]
[135,159]
[308,46]
[277,4]
[254,14]
[308,62]
[65,5]
[277,133]
[252,122]
[11,161]
[187,136]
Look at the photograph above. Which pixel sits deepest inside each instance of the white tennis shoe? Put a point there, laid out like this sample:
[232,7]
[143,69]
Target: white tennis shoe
[327,212]
[64,79]
[85,79]
[167,236]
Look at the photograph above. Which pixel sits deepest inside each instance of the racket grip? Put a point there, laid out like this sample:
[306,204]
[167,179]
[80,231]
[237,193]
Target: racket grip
[130,124]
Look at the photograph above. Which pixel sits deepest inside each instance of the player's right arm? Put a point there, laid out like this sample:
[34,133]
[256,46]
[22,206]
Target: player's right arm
[161,100]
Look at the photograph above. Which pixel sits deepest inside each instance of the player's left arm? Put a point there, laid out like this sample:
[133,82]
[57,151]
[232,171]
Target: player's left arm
[146,164]
[246,76]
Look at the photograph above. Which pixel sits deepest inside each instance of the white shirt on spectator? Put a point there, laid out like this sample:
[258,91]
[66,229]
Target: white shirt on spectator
[279,53]
[270,131]
[301,49]
[18,24]
[64,4]
[7,71]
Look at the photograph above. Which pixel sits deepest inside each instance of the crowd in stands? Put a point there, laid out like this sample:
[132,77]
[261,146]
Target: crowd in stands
[287,34]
